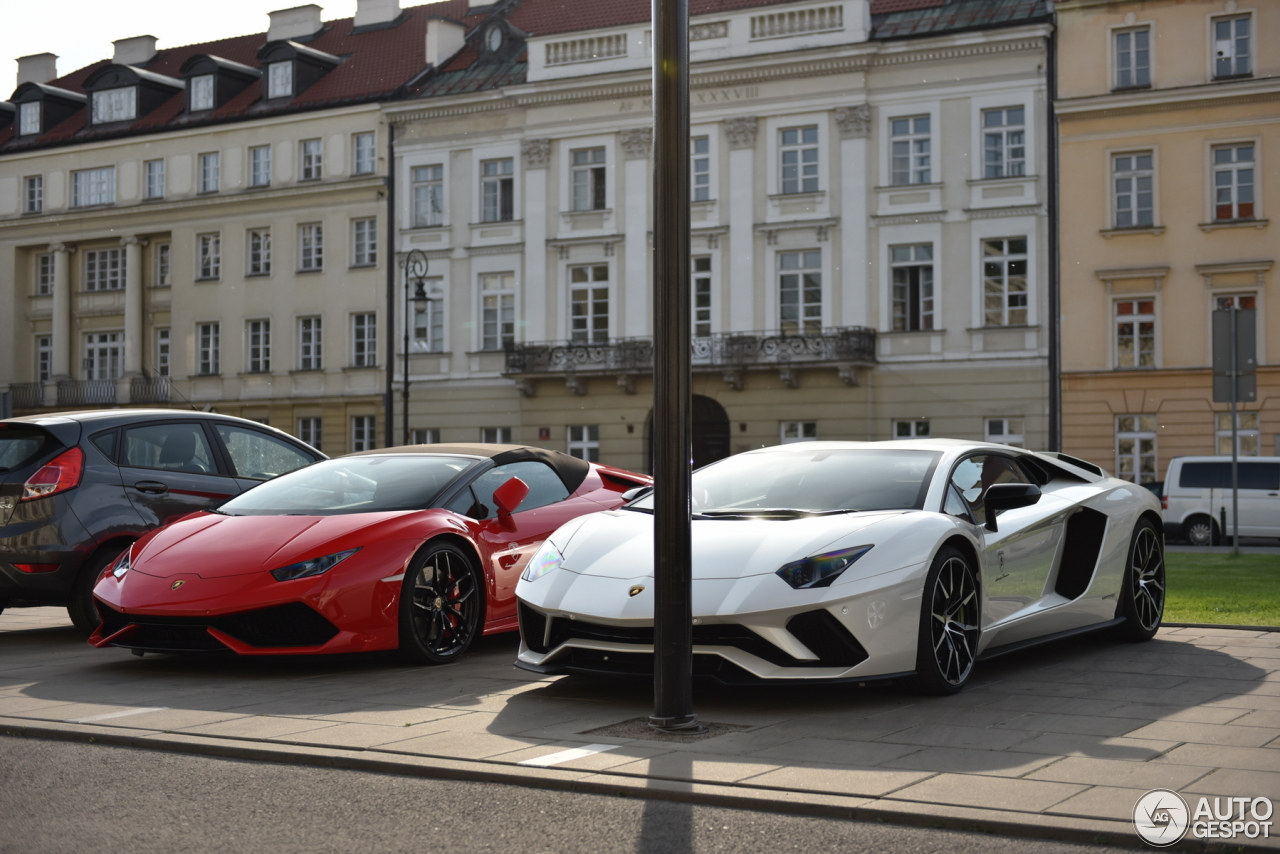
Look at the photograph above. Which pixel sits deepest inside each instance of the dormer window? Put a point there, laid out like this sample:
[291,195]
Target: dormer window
[29,118]
[201,89]
[280,80]
[115,105]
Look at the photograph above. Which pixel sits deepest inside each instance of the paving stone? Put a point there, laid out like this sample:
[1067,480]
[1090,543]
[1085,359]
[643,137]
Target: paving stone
[1194,714]
[978,716]
[1067,744]
[1220,756]
[13,705]
[942,735]
[460,745]
[1129,680]
[622,755]
[831,751]
[1100,802]
[837,779]
[257,727]
[1075,724]
[1026,703]
[972,790]
[1233,782]
[954,760]
[1226,734]
[1270,719]
[700,767]
[169,720]
[1146,775]
[392,716]
[356,736]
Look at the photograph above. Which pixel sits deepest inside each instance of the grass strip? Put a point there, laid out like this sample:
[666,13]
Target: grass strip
[1224,590]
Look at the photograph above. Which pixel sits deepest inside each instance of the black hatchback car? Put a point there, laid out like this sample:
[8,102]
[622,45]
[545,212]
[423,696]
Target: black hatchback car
[77,487]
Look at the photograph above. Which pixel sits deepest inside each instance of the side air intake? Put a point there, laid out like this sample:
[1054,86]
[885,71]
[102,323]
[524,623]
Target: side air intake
[1080,550]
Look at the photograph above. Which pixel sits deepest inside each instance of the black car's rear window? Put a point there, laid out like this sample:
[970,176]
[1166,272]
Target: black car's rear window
[21,445]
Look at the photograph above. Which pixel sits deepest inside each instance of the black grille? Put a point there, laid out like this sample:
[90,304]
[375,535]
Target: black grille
[641,664]
[533,628]
[832,643]
[827,638]
[293,624]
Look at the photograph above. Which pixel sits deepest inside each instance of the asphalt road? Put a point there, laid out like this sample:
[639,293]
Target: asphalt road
[66,797]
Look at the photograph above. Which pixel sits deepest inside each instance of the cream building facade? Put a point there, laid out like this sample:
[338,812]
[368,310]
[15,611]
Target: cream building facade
[870,228]
[1169,117]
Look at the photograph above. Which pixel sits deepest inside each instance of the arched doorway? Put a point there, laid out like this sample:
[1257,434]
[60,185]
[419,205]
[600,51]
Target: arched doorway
[710,433]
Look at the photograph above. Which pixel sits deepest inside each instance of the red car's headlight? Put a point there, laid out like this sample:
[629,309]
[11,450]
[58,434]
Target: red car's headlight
[308,568]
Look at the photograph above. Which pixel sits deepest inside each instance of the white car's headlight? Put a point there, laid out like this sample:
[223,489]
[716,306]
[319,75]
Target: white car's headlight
[820,570]
[545,560]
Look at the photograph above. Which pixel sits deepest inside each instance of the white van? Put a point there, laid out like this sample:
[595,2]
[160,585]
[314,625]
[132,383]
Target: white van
[1197,499]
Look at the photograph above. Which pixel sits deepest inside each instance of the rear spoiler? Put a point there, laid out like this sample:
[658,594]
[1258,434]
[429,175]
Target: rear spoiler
[1060,463]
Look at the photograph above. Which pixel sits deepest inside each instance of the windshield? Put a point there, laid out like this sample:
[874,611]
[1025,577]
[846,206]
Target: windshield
[374,484]
[20,445]
[821,480]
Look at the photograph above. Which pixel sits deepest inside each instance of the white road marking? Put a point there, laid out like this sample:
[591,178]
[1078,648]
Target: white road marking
[568,755]
[121,714]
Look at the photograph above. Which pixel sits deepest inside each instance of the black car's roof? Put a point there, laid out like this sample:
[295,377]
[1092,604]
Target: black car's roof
[572,471]
[119,416]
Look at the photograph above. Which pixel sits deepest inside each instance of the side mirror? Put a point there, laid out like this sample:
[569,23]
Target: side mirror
[509,495]
[636,492]
[1008,496]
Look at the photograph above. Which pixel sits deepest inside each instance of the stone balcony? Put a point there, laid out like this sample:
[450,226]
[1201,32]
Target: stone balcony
[845,349]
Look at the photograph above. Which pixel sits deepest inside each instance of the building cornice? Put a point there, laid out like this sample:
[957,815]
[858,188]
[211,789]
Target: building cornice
[638,85]
[1163,100]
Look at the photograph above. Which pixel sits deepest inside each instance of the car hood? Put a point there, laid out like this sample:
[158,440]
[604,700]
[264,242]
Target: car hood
[619,544]
[215,546]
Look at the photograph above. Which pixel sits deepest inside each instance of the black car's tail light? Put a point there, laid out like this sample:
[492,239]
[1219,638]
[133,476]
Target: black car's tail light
[61,473]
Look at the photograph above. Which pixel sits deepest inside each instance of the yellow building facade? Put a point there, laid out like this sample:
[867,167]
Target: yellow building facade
[1169,123]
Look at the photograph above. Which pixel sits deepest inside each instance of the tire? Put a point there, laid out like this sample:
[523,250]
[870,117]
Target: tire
[947,644]
[441,605]
[80,605]
[1201,531]
[1143,591]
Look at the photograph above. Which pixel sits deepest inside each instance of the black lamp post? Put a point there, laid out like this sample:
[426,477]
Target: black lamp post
[415,268]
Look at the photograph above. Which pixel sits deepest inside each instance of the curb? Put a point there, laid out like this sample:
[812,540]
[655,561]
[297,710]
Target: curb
[1089,831]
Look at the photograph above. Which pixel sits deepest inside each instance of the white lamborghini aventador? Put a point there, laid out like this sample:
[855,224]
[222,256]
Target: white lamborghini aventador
[854,561]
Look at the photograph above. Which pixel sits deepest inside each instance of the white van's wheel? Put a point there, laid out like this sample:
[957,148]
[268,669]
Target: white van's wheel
[1201,531]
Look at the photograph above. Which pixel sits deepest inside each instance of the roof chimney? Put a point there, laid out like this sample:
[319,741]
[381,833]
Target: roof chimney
[137,50]
[376,12]
[444,39]
[298,22]
[37,68]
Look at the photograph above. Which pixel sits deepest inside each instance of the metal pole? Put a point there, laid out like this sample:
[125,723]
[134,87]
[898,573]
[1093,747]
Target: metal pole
[415,267]
[1055,265]
[388,395]
[672,431]
[1235,426]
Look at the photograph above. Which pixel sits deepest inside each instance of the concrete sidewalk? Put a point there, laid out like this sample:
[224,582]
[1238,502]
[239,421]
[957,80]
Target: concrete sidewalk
[1057,742]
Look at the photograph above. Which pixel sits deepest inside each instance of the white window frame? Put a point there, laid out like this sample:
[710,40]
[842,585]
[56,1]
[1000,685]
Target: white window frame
[280,79]
[583,441]
[311,159]
[1005,430]
[364,153]
[1137,317]
[430,323]
[364,242]
[257,341]
[311,430]
[1132,30]
[497,435]
[587,334]
[311,246]
[164,265]
[701,165]
[1248,437]
[790,432]
[922,168]
[424,436]
[44,274]
[496,298]
[364,432]
[258,252]
[1235,185]
[808,177]
[1131,432]
[311,343]
[210,167]
[209,256]
[208,348]
[201,88]
[29,118]
[702,291]
[929,309]
[91,187]
[588,199]
[44,358]
[1215,45]
[911,428]
[364,339]
[494,186]
[1008,140]
[104,269]
[103,355]
[806,321]
[33,194]
[164,352]
[153,178]
[427,188]
[1134,174]
[1006,260]
[115,105]
[260,166]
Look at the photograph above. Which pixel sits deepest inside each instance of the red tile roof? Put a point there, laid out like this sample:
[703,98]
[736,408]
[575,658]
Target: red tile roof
[546,17]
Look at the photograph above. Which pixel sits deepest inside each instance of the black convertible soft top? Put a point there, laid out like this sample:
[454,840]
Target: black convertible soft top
[571,470]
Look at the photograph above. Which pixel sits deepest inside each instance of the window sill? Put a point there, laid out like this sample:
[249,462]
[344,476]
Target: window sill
[150,199]
[1120,90]
[900,333]
[32,213]
[587,212]
[1234,223]
[1010,327]
[432,353]
[310,180]
[258,275]
[371,266]
[216,376]
[93,207]
[254,374]
[350,368]
[439,227]
[898,188]
[117,290]
[208,192]
[1227,78]
[207,279]
[1109,233]
[266,186]
[302,270]
[500,222]
[306,371]
[163,286]
[1007,179]
[812,196]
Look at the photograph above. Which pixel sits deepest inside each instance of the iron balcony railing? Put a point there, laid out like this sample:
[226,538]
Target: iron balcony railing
[149,390]
[86,392]
[842,344]
[27,395]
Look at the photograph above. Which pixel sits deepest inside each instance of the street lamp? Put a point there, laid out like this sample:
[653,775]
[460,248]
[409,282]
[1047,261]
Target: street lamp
[415,268]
